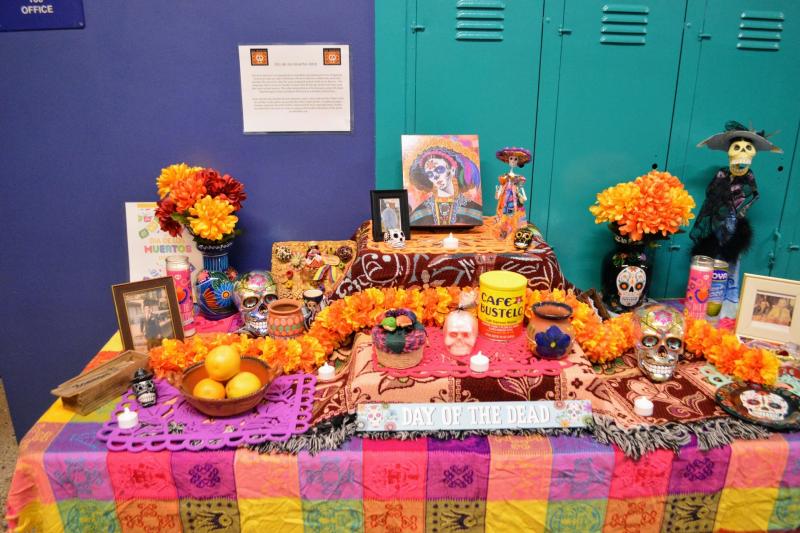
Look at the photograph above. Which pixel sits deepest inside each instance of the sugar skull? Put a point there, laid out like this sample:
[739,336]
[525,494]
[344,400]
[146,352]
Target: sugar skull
[740,155]
[658,338]
[630,285]
[253,293]
[764,405]
[395,238]
[460,332]
[523,238]
[144,388]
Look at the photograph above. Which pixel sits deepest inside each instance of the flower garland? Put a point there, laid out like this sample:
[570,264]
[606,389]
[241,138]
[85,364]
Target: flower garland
[601,341]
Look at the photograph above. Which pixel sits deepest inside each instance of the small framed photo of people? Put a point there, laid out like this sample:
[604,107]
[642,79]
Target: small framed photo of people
[442,174]
[147,313]
[389,213]
[769,309]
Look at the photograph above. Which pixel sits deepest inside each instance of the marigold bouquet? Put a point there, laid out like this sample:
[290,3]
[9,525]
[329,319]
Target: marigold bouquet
[200,199]
[654,206]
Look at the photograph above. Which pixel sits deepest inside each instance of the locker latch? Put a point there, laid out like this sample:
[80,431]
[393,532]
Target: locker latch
[417,27]
[703,36]
[564,31]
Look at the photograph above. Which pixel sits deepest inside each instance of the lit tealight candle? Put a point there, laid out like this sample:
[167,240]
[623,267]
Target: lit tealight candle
[450,243]
[326,372]
[128,419]
[643,406]
[479,363]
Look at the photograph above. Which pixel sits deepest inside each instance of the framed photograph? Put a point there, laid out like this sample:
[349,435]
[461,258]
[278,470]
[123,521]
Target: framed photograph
[147,313]
[389,211]
[769,309]
[442,174]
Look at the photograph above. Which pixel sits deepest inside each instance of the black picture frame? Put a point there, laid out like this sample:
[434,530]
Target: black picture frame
[160,314]
[390,194]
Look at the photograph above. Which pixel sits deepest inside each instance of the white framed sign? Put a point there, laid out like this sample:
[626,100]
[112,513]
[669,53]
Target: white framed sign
[473,415]
[295,88]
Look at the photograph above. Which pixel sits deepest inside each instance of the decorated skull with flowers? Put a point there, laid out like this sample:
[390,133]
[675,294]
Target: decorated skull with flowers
[201,200]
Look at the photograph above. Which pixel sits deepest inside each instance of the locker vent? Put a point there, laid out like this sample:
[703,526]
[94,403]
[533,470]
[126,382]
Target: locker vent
[760,30]
[623,24]
[480,20]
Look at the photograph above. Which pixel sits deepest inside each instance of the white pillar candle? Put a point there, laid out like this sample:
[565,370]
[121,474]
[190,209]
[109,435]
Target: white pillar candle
[450,243]
[128,419]
[643,406]
[479,363]
[326,373]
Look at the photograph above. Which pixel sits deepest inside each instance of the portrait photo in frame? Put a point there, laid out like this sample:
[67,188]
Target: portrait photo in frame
[147,313]
[389,211]
[769,309]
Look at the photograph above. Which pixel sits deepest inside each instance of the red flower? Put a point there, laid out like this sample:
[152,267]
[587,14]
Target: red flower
[164,213]
[225,187]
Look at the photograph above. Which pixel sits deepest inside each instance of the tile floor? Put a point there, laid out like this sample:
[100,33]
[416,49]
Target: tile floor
[8,453]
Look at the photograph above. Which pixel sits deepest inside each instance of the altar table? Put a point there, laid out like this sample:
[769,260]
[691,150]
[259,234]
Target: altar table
[66,480]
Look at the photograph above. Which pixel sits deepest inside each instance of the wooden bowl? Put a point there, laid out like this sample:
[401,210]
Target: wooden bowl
[227,406]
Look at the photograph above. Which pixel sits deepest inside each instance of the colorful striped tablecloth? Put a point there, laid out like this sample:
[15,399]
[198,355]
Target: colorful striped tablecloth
[66,480]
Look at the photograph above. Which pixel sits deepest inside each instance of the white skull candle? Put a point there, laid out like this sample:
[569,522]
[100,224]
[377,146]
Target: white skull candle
[460,332]
[658,338]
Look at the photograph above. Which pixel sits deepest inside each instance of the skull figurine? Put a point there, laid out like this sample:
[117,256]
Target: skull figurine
[460,332]
[523,238]
[740,155]
[253,293]
[630,285]
[658,338]
[395,238]
[764,405]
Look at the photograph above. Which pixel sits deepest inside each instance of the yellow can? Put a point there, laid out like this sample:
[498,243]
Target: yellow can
[502,304]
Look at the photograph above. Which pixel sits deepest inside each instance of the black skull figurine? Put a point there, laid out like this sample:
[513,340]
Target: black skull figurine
[144,388]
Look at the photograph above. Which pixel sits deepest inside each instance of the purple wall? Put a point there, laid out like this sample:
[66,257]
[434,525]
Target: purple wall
[89,117]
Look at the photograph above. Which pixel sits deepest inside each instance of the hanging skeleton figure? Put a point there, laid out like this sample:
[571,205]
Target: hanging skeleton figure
[721,230]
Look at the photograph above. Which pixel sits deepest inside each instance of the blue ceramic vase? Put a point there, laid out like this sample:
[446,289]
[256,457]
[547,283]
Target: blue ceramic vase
[215,282]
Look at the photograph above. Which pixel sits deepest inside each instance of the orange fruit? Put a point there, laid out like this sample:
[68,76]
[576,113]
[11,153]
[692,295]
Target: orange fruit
[242,384]
[209,389]
[223,362]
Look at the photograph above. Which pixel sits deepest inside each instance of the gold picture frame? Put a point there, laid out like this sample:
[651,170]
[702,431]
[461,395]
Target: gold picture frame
[147,312]
[769,309]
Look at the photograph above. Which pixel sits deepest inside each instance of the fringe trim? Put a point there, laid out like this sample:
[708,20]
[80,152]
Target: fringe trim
[634,442]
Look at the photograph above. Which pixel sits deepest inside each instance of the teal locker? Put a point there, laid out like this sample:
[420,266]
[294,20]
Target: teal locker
[601,92]
[471,67]
[604,115]
[739,62]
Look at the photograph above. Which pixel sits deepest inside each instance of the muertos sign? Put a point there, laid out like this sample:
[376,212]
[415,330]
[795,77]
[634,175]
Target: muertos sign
[484,415]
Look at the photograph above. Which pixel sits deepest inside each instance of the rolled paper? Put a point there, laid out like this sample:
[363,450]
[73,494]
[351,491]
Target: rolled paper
[128,419]
[326,372]
[450,243]
[643,406]
[479,363]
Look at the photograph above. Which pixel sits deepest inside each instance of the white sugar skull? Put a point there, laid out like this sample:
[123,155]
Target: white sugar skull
[740,155]
[630,285]
[658,338]
[395,238]
[764,405]
[460,332]
[253,293]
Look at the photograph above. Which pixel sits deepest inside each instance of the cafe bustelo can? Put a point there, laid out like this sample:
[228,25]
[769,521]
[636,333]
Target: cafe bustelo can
[502,305]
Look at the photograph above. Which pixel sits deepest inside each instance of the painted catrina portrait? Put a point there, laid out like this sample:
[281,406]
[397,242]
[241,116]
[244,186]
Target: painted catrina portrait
[443,179]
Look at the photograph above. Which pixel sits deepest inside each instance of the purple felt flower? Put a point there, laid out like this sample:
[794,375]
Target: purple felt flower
[553,343]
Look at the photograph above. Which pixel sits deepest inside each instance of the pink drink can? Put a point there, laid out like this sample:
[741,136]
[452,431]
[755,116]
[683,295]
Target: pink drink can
[699,286]
[181,271]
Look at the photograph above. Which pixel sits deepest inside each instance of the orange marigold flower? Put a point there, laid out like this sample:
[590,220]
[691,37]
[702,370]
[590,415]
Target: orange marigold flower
[172,175]
[211,218]
[187,192]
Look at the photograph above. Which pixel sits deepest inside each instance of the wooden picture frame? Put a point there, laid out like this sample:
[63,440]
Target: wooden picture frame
[147,312]
[769,309]
[396,201]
